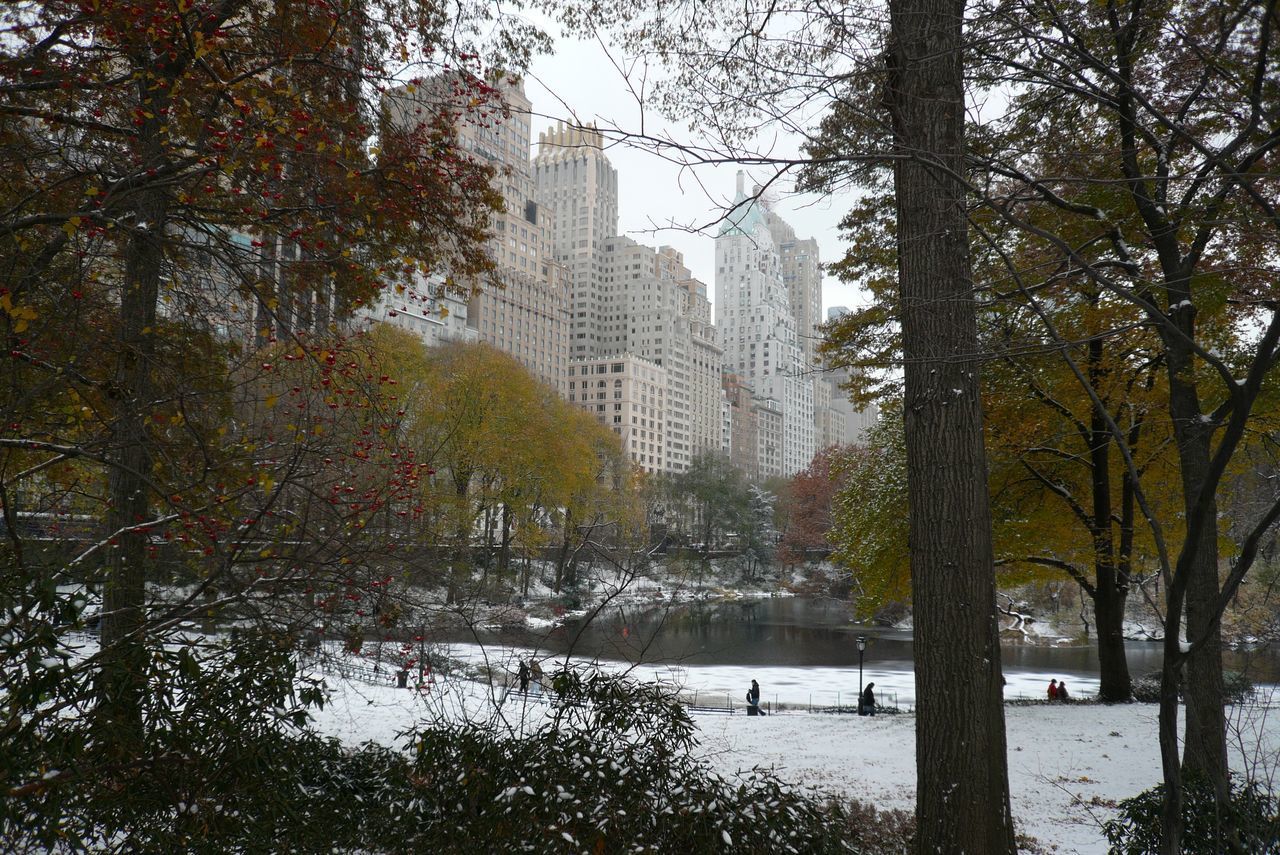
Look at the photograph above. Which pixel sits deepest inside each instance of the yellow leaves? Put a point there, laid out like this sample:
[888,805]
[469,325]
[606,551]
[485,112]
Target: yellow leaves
[271,401]
[20,315]
[92,191]
[71,226]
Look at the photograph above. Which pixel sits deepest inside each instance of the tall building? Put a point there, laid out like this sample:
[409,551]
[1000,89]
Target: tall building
[741,427]
[629,394]
[628,298]
[759,331]
[802,274]
[578,185]
[704,395]
[527,316]
[653,307]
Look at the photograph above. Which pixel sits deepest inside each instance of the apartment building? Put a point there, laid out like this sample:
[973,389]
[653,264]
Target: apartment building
[628,298]
[525,311]
[759,331]
[741,426]
[652,306]
[578,185]
[426,308]
[849,422]
[629,394]
[802,276]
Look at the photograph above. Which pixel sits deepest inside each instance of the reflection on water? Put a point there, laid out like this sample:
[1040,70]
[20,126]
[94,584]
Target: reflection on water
[798,632]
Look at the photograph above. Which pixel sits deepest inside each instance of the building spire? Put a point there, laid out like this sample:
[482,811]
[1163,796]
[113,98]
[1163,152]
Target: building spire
[741,184]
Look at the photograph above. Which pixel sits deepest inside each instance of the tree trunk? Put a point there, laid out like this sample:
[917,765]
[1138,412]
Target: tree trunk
[1115,683]
[1205,738]
[504,547]
[461,563]
[1108,594]
[962,798]
[564,550]
[122,680]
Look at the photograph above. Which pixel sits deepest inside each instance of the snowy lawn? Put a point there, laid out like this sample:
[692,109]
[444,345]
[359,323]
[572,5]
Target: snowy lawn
[1068,765]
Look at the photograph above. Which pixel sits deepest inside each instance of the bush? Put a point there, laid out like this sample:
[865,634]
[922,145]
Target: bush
[610,771]
[1250,816]
[226,765]
[1238,687]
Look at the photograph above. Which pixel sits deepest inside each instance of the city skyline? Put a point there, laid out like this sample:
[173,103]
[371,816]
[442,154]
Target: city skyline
[656,191]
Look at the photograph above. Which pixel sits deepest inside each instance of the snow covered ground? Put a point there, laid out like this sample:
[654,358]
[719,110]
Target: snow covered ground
[1068,765]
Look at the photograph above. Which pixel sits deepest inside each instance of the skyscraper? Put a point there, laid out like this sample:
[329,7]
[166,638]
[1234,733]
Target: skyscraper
[630,301]
[759,331]
[579,186]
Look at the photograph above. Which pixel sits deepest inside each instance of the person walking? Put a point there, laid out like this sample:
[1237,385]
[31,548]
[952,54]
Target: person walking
[753,699]
[535,674]
[522,676]
[867,701]
[1053,690]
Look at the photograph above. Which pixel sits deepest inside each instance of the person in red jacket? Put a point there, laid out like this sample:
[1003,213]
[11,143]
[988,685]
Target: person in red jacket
[1053,690]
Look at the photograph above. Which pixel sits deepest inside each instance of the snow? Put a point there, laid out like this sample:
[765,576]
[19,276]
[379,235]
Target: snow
[806,686]
[1068,764]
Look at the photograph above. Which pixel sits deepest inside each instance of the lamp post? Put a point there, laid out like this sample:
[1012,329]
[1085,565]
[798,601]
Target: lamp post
[862,646]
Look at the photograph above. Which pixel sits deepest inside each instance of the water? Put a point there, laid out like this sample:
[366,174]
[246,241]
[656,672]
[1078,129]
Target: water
[780,639]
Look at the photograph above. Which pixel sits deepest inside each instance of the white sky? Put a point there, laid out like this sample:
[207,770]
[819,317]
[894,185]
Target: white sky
[579,82]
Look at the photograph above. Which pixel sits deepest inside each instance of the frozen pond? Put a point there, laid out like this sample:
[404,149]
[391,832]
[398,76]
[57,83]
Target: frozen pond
[802,649]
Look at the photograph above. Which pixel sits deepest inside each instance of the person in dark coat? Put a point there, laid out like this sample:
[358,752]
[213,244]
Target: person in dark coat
[1053,690]
[867,701]
[753,699]
[522,675]
[1062,691]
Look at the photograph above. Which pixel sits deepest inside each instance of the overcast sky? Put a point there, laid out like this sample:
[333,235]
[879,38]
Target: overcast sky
[579,81]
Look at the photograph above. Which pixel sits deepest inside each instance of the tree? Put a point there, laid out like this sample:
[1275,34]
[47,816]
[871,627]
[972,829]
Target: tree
[514,462]
[1063,497]
[194,196]
[962,801]
[716,493]
[743,73]
[870,513]
[1177,102]
[807,498]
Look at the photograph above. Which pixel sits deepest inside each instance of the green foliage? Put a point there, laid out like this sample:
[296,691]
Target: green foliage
[226,766]
[1248,823]
[869,514]
[610,772]
[221,746]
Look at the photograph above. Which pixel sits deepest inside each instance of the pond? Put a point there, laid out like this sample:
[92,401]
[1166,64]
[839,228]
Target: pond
[778,638]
